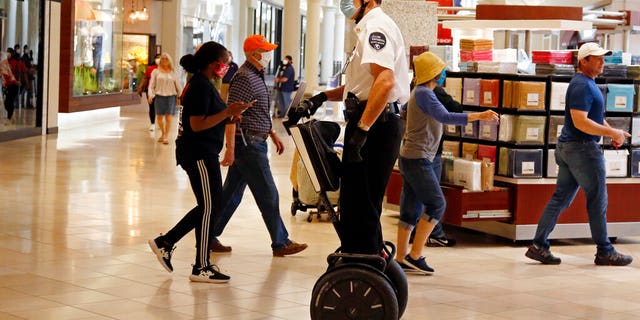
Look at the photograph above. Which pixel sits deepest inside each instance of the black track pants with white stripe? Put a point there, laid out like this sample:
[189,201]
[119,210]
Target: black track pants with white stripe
[206,183]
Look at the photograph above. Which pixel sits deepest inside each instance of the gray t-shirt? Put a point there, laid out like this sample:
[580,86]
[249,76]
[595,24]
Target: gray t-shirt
[425,116]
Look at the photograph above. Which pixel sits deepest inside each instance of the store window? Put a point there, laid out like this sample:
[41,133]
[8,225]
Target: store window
[20,29]
[205,21]
[99,63]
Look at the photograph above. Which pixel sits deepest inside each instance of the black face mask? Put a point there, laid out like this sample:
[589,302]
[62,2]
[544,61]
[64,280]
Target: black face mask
[363,7]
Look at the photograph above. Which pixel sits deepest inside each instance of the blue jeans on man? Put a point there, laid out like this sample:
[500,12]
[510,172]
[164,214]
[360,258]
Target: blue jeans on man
[251,168]
[581,164]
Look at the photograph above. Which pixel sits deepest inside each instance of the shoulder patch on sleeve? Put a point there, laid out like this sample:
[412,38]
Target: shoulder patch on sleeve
[377,40]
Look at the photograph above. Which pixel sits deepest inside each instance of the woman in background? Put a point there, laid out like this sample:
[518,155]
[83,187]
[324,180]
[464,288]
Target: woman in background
[164,89]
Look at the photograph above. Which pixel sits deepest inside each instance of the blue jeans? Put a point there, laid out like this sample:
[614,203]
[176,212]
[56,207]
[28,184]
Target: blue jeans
[438,229]
[420,188]
[580,165]
[284,97]
[251,167]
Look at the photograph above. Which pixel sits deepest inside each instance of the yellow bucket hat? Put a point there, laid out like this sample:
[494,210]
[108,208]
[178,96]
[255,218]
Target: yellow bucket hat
[427,66]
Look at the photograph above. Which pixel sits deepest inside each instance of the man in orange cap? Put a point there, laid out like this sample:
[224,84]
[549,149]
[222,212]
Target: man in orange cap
[251,163]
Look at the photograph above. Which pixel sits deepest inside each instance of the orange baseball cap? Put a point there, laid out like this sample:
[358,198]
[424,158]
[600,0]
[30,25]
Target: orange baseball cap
[257,41]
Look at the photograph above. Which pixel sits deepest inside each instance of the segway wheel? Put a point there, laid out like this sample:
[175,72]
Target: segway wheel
[397,276]
[353,292]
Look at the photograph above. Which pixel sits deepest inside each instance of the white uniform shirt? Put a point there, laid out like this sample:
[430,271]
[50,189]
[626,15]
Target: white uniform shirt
[379,41]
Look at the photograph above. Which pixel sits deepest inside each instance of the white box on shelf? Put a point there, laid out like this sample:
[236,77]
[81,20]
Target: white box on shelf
[615,162]
[552,167]
[558,95]
[468,174]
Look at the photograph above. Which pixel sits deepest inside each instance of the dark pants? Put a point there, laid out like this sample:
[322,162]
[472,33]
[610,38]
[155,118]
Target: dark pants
[152,112]
[363,186]
[9,101]
[206,183]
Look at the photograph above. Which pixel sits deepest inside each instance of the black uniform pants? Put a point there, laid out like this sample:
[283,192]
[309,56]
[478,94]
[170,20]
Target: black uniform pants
[363,186]
[206,183]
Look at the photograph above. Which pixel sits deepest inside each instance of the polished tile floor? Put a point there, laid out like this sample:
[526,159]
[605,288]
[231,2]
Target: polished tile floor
[77,209]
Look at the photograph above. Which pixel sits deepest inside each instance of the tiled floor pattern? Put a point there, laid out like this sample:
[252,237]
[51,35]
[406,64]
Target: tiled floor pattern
[77,209]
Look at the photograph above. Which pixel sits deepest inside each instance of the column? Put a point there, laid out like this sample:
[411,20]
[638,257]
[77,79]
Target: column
[291,31]
[338,40]
[171,39]
[24,36]
[328,29]
[240,30]
[10,34]
[312,45]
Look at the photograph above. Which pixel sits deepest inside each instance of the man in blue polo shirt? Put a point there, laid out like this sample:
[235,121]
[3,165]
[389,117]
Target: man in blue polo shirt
[285,83]
[581,163]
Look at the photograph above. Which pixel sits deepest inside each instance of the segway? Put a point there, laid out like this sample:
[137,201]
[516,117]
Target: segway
[355,286]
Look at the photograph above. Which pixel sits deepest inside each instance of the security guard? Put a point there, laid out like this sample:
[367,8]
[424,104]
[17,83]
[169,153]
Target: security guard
[377,83]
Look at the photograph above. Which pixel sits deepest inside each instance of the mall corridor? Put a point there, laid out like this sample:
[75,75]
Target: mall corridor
[77,209]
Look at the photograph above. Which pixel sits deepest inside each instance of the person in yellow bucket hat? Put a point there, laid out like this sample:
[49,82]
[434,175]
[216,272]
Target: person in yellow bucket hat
[420,183]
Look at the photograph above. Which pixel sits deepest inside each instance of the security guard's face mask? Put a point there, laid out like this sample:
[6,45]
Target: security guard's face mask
[349,10]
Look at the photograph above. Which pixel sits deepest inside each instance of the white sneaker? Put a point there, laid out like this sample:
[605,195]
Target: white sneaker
[152,127]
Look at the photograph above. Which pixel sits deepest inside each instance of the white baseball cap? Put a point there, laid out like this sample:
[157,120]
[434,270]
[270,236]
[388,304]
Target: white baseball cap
[592,49]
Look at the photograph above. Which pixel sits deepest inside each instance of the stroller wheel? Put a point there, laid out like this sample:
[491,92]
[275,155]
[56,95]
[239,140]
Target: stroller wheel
[353,291]
[294,208]
[310,217]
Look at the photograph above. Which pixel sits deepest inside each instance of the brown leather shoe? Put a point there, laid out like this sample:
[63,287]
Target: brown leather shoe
[216,246]
[292,248]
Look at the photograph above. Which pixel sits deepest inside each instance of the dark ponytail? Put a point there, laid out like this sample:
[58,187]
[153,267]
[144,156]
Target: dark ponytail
[209,52]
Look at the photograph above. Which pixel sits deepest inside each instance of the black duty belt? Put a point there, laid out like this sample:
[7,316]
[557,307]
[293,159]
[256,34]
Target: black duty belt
[353,111]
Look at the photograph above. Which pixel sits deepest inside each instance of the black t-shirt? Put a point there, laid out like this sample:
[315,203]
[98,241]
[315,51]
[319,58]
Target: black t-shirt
[199,98]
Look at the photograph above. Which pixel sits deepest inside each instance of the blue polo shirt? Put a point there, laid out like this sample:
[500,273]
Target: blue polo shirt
[583,94]
[290,74]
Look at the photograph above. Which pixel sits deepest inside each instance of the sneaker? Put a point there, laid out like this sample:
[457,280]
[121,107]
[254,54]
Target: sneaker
[406,268]
[440,242]
[615,258]
[163,252]
[419,265]
[292,248]
[216,246]
[210,274]
[541,255]
[152,127]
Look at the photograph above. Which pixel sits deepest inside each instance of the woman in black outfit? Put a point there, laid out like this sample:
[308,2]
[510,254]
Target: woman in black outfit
[200,140]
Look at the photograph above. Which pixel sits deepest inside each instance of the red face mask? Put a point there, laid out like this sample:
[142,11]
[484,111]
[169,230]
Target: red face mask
[221,70]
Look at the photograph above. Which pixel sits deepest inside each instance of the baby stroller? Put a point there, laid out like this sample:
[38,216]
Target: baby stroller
[355,286]
[305,196]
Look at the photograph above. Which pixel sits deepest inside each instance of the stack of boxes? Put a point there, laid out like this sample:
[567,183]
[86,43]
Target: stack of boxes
[554,62]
